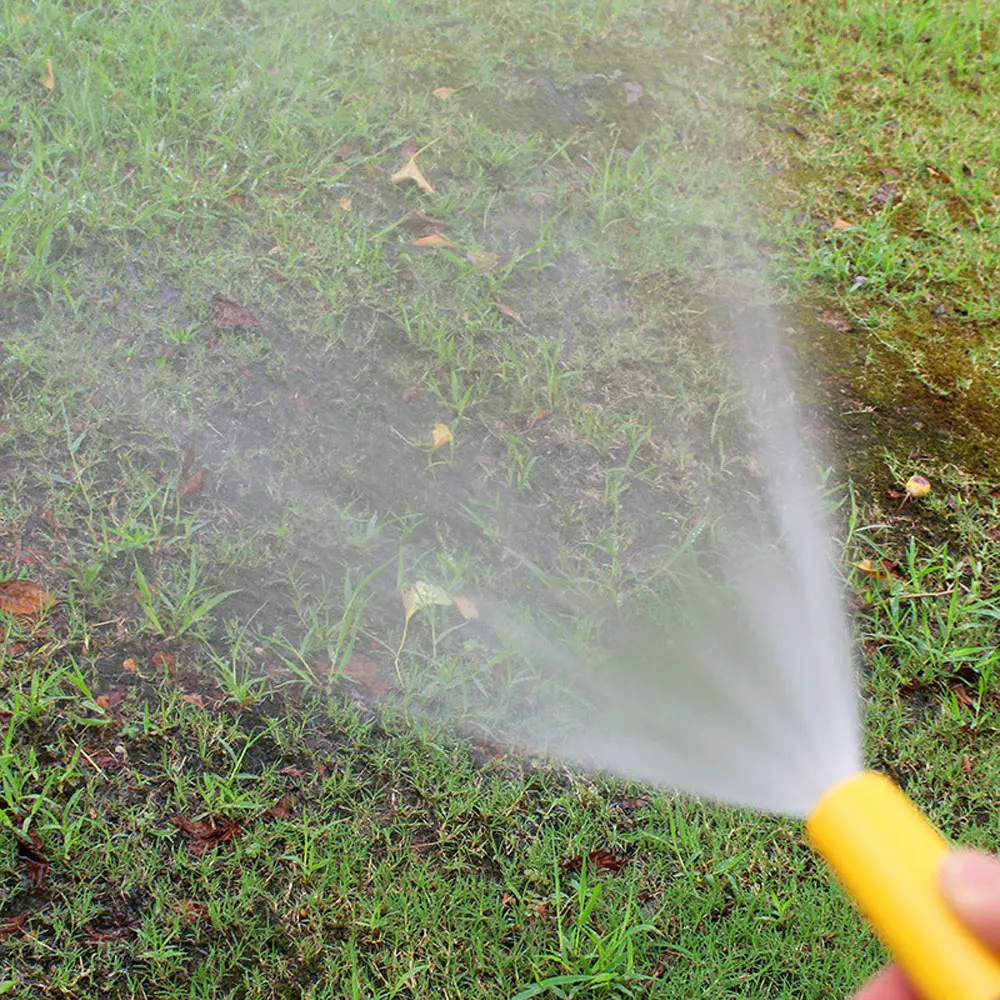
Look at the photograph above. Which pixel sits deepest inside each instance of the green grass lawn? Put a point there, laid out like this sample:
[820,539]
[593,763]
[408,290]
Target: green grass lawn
[253,388]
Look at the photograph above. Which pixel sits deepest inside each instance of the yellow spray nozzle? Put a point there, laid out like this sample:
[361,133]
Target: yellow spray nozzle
[887,855]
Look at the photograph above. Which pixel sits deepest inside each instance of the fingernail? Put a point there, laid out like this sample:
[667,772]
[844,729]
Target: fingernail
[970,879]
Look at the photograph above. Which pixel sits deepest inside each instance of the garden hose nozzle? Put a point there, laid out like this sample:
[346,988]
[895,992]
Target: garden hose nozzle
[887,855]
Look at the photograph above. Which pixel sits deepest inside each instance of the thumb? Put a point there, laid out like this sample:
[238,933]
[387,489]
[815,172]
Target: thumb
[970,882]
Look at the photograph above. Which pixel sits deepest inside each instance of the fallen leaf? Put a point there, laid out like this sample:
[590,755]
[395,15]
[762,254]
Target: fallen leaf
[440,436]
[192,484]
[599,861]
[840,223]
[962,695]
[206,834]
[237,200]
[165,661]
[12,925]
[292,771]
[538,199]
[193,699]
[49,79]
[466,608]
[432,240]
[423,595]
[410,393]
[365,672]
[50,519]
[282,808]
[231,315]
[411,172]
[785,127]
[443,93]
[967,765]
[882,570]
[102,758]
[939,175]
[835,320]
[421,224]
[188,464]
[191,911]
[110,932]
[346,204]
[539,415]
[111,699]
[22,597]
[633,91]
[32,861]
[130,665]
[511,312]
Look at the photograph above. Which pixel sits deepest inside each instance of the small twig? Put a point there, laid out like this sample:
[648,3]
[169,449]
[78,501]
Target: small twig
[92,762]
[927,593]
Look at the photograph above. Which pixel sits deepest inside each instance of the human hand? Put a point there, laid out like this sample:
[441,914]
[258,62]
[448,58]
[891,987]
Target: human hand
[970,882]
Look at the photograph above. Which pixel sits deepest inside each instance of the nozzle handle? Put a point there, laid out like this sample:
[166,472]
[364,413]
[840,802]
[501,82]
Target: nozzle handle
[887,855]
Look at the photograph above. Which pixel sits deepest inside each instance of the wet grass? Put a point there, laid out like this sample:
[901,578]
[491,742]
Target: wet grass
[227,510]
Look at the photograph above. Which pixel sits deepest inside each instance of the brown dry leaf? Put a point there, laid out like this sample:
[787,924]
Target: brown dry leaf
[281,809]
[939,175]
[410,393]
[48,79]
[538,199]
[165,661]
[365,672]
[192,484]
[421,224]
[231,315]
[32,862]
[237,200]
[835,320]
[411,172]
[440,436]
[188,464]
[443,93]
[111,699]
[12,925]
[511,312]
[346,204]
[967,765]
[191,911]
[206,834]
[840,223]
[466,607]
[538,415]
[599,861]
[130,665]
[49,517]
[432,240]
[193,699]
[22,597]
[882,570]
[102,758]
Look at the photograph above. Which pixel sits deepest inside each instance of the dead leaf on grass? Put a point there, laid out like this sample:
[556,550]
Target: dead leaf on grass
[231,315]
[192,484]
[111,699]
[411,172]
[424,595]
[432,240]
[130,665]
[466,607]
[365,672]
[32,861]
[165,661]
[840,223]
[420,224]
[511,312]
[193,699]
[599,861]
[48,78]
[440,436]
[538,415]
[881,570]
[22,597]
[191,911]
[835,320]
[12,925]
[281,809]
[237,200]
[346,204]
[410,393]
[443,93]
[939,175]
[204,835]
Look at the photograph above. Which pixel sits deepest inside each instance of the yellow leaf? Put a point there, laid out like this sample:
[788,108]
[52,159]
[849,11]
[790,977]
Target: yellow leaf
[466,608]
[346,204]
[411,172]
[443,93]
[423,595]
[440,436]
[49,80]
[432,240]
